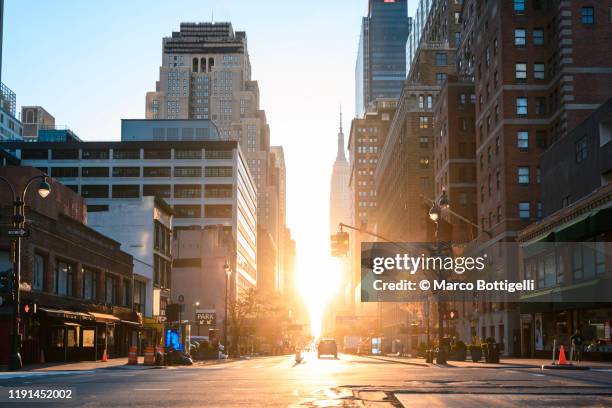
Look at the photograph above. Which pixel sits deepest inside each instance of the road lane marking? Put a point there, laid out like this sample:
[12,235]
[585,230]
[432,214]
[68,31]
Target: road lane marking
[537,375]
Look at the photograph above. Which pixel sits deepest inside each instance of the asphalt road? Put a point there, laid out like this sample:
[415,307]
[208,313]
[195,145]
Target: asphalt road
[348,381]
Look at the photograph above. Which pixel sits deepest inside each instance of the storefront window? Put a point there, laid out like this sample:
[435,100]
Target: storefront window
[73,337]
[88,337]
[57,337]
[139,296]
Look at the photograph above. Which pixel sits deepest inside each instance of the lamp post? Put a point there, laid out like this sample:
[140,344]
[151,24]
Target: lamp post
[228,274]
[435,214]
[44,189]
[196,305]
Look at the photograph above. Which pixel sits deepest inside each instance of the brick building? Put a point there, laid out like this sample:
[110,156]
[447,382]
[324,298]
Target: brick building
[537,74]
[405,170]
[80,280]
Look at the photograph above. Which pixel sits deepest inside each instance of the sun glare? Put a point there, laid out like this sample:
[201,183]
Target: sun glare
[318,279]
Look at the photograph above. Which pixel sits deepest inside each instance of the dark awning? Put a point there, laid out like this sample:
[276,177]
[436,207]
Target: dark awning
[67,314]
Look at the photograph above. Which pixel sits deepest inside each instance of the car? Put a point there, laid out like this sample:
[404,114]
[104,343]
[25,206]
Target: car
[327,347]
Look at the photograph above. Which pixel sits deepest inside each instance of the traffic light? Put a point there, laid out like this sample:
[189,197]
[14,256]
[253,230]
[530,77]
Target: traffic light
[28,308]
[340,244]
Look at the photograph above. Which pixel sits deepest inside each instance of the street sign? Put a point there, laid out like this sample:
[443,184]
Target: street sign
[206,317]
[17,232]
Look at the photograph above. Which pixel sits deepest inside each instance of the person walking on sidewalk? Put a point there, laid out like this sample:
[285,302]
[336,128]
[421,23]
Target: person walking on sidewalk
[577,341]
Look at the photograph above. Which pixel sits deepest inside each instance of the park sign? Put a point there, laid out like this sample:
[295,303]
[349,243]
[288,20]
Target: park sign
[206,317]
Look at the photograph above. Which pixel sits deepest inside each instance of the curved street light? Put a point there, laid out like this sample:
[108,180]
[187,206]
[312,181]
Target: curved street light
[44,189]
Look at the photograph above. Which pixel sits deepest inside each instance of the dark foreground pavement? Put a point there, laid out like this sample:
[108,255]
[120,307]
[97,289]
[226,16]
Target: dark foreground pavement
[349,381]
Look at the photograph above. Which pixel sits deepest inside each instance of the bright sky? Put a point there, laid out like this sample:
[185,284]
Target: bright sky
[90,63]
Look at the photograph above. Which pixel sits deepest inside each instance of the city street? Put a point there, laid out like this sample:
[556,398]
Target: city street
[348,381]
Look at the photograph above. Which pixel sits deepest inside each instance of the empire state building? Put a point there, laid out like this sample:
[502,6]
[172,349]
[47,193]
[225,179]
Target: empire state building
[340,194]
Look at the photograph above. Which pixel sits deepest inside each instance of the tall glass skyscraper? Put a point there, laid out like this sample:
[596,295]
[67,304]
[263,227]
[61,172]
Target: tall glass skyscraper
[380,70]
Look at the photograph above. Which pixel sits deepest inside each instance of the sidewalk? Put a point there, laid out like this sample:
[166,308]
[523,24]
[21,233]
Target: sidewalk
[81,365]
[504,363]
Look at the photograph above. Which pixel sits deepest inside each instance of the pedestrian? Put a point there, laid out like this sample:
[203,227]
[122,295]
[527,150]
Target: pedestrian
[577,341]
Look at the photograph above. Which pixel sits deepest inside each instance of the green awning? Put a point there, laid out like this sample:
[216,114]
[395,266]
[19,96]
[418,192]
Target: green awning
[593,290]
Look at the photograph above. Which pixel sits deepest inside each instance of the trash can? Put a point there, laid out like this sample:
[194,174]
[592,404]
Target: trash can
[491,352]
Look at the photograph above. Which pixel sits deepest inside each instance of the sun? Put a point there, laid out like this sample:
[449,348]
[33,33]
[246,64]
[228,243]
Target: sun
[318,278]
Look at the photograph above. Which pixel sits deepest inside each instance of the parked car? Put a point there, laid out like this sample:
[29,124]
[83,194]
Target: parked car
[327,347]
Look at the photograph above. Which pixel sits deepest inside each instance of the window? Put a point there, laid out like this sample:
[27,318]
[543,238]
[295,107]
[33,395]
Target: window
[187,211]
[127,289]
[64,154]
[524,212]
[540,210]
[187,172]
[457,39]
[95,154]
[522,139]
[187,191]
[126,154]
[429,102]
[126,171]
[521,106]
[539,71]
[126,191]
[521,71]
[538,36]
[424,141]
[440,78]
[94,191]
[520,37]
[540,106]
[140,296]
[156,172]
[156,190]
[519,6]
[64,172]
[90,284]
[587,15]
[523,176]
[423,122]
[541,139]
[218,172]
[38,276]
[188,154]
[441,59]
[157,154]
[64,278]
[582,151]
[457,17]
[94,172]
[219,154]
[111,290]
[424,162]
[217,211]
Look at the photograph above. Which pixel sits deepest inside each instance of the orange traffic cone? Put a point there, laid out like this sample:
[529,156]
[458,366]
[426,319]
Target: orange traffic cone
[105,358]
[562,359]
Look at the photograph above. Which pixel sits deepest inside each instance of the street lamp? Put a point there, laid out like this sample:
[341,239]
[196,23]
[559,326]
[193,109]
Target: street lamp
[435,213]
[228,274]
[18,231]
[196,305]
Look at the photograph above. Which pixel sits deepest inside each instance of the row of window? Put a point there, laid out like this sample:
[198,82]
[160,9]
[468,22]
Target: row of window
[60,280]
[159,190]
[89,172]
[123,154]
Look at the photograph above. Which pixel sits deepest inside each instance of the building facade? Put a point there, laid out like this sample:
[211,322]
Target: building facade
[144,228]
[34,119]
[206,74]
[10,126]
[207,183]
[76,282]
[380,69]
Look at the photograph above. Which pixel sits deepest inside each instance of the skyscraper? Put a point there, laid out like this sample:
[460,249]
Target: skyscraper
[206,74]
[380,69]
[340,193]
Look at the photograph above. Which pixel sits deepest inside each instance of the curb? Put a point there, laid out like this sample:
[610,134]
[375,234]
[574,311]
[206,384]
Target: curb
[397,361]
